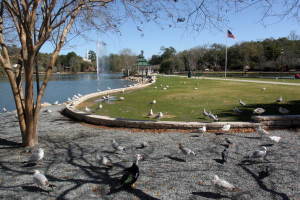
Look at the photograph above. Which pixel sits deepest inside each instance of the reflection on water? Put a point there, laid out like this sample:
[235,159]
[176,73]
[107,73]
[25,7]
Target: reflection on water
[62,86]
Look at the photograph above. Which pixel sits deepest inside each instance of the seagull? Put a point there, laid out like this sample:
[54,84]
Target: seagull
[259,153]
[205,113]
[262,131]
[164,88]
[153,101]
[223,184]
[69,99]
[202,129]
[196,88]
[283,110]
[108,88]
[150,113]
[259,111]
[106,161]
[237,110]
[55,103]
[159,115]
[80,95]
[275,138]
[242,103]
[117,146]
[122,98]
[40,179]
[212,116]
[226,127]
[36,155]
[87,109]
[263,89]
[4,109]
[143,145]
[280,99]
[100,106]
[185,150]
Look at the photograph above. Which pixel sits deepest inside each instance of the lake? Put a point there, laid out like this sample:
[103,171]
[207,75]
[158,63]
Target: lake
[62,86]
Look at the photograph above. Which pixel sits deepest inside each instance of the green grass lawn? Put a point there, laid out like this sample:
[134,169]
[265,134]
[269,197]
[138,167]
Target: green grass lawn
[182,102]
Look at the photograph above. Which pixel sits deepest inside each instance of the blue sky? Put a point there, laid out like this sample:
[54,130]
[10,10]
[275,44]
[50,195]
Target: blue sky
[245,26]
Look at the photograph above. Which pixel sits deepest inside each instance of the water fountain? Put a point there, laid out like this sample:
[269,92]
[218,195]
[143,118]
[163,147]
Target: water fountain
[101,58]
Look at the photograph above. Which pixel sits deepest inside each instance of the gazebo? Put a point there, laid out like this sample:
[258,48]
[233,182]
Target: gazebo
[143,67]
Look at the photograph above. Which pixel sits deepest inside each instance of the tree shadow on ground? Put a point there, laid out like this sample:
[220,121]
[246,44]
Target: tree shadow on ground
[210,195]
[9,144]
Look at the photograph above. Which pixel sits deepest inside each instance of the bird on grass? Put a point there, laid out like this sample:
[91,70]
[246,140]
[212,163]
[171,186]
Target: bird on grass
[283,110]
[185,150]
[280,99]
[226,127]
[150,113]
[87,109]
[100,106]
[212,116]
[40,180]
[36,155]
[122,98]
[153,101]
[117,146]
[242,103]
[263,89]
[205,113]
[130,175]
[259,111]
[223,184]
[159,115]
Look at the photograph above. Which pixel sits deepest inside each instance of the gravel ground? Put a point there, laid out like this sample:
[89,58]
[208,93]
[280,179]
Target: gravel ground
[70,163]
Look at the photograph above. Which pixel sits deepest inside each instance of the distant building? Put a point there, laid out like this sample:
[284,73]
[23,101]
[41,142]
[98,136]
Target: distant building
[143,67]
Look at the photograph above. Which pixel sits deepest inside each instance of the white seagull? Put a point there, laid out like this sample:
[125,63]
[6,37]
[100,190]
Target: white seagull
[283,110]
[259,111]
[55,103]
[226,127]
[205,113]
[280,99]
[153,101]
[106,161]
[159,115]
[4,109]
[242,103]
[275,138]
[222,184]
[100,106]
[40,179]
[263,89]
[36,155]
[150,112]
[185,150]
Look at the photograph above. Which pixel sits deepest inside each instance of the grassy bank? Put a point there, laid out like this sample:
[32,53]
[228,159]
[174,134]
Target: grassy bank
[185,99]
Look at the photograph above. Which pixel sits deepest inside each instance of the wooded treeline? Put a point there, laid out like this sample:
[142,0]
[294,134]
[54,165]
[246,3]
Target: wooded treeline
[281,54]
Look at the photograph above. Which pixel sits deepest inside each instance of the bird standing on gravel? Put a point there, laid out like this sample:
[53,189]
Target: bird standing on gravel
[223,184]
[275,138]
[36,155]
[262,132]
[40,179]
[185,150]
[131,174]
[259,154]
[202,129]
[117,146]
[106,161]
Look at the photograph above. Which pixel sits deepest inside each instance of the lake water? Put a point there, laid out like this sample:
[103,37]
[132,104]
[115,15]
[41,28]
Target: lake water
[62,86]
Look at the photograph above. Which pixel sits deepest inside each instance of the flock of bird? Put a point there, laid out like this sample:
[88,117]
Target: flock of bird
[131,174]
